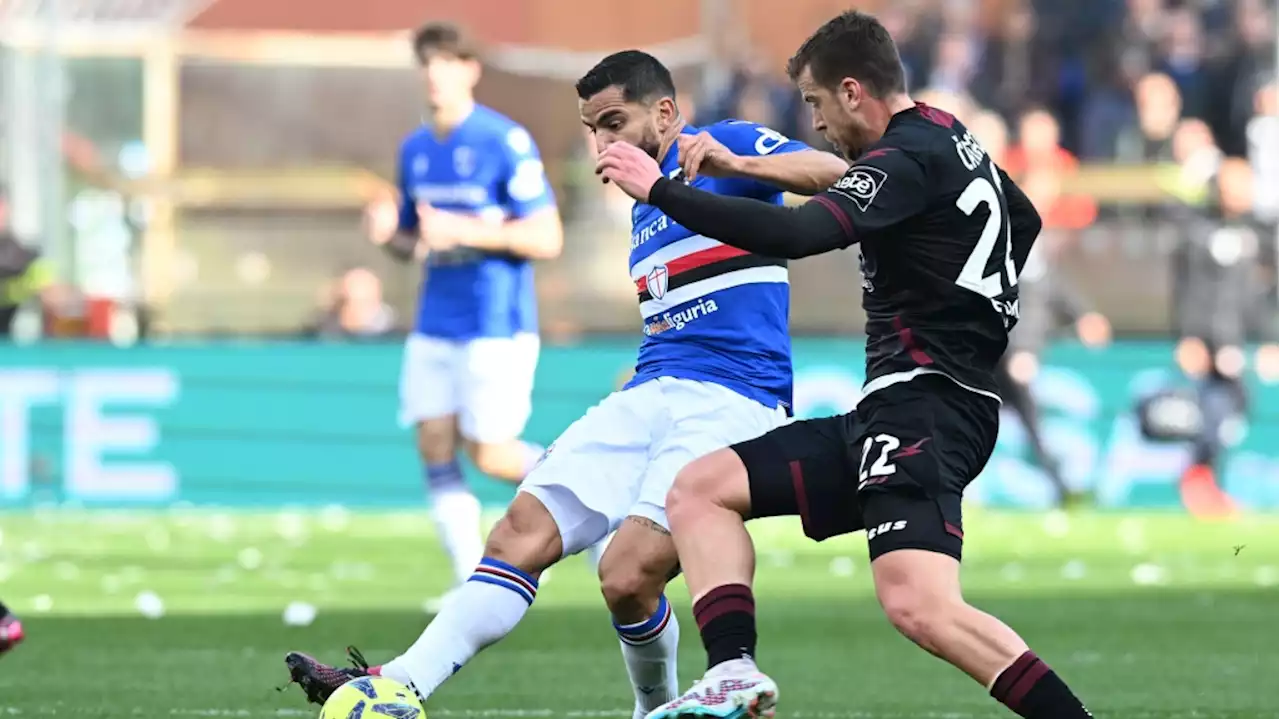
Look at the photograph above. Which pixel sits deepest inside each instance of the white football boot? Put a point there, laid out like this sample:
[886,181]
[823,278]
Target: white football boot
[731,690]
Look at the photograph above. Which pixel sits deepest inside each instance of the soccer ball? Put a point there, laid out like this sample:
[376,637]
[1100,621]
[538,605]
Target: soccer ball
[373,698]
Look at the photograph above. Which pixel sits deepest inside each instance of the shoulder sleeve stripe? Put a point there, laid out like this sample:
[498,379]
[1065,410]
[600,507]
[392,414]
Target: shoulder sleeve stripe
[840,215]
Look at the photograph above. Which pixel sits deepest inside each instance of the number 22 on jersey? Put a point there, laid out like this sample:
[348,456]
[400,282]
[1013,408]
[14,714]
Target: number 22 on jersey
[982,191]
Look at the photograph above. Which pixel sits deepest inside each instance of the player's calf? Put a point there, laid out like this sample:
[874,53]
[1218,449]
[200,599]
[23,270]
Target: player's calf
[489,604]
[919,591]
[706,508]
[454,508]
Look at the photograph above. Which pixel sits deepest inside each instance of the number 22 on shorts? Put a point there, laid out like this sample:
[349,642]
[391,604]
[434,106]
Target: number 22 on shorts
[877,449]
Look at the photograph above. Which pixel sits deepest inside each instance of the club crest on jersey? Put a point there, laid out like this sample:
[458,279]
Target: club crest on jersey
[464,161]
[861,184]
[420,165]
[656,282]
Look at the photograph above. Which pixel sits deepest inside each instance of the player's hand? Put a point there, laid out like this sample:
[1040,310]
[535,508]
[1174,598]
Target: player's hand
[381,220]
[1093,329]
[439,229]
[704,154]
[630,168]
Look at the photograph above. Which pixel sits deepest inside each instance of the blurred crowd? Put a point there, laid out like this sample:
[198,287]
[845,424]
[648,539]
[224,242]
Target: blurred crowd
[1046,86]
[1095,65]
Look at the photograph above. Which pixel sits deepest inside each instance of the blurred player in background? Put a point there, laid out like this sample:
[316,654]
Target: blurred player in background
[1216,300]
[10,629]
[942,234]
[714,368]
[24,275]
[476,206]
[1046,302]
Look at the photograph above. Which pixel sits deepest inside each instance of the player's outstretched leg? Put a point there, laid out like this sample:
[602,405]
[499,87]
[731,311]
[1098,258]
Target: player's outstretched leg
[920,592]
[454,507]
[706,507]
[635,569]
[10,629]
[486,608]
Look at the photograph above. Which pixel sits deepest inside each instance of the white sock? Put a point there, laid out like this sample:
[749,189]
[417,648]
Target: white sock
[456,512]
[488,607]
[649,649]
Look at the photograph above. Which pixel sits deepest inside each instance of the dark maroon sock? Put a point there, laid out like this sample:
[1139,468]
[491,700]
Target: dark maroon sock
[1033,691]
[726,618]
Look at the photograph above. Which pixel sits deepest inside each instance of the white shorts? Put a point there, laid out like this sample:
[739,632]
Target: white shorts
[622,456]
[486,382]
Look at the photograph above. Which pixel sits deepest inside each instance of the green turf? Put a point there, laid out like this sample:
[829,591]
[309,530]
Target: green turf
[1147,616]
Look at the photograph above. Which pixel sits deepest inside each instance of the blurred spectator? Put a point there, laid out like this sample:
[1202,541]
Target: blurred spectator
[1216,291]
[992,133]
[353,308]
[912,30]
[24,275]
[1040,161]
[1182,58]
[958,104]
[756,94]
[1263,135]
[954,65]
[1010,60]
[1248,62]
[1197,160]
[1159,107]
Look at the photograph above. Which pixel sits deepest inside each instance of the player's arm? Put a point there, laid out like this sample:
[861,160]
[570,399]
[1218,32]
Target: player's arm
[536,236]
[880,190]
[395,228]
[752,225]
[805,172]
[755,153]
[1024,219]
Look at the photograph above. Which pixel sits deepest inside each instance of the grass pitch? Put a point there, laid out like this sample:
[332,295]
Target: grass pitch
[1147,616]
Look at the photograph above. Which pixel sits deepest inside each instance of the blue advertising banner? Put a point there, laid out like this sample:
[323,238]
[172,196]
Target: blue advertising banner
[314,424]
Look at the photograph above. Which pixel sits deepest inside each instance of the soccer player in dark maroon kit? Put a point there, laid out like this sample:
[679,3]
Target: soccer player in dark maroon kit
[942,234]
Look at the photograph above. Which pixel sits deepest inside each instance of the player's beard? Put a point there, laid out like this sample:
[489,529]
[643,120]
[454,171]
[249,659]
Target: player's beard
[651,143]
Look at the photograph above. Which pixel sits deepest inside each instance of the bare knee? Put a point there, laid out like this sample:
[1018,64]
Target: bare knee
[717,480]
[492,460]
[920,604]
[507,460]
[635,569]
[918,618]
[631,591]
[437,440]
[526,537]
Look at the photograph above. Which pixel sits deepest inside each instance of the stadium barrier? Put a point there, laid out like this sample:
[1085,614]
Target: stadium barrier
[313,424]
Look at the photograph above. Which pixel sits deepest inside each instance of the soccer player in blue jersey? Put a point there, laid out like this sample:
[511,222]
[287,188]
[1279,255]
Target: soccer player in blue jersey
[476,206]
[714,368]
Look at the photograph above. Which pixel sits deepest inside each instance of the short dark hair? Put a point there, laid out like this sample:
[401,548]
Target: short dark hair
[640,75]
[853,44]
[445,37]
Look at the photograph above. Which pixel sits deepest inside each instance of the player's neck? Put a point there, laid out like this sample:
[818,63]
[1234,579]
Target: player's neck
[897,103]
[886,109]
[445,120]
